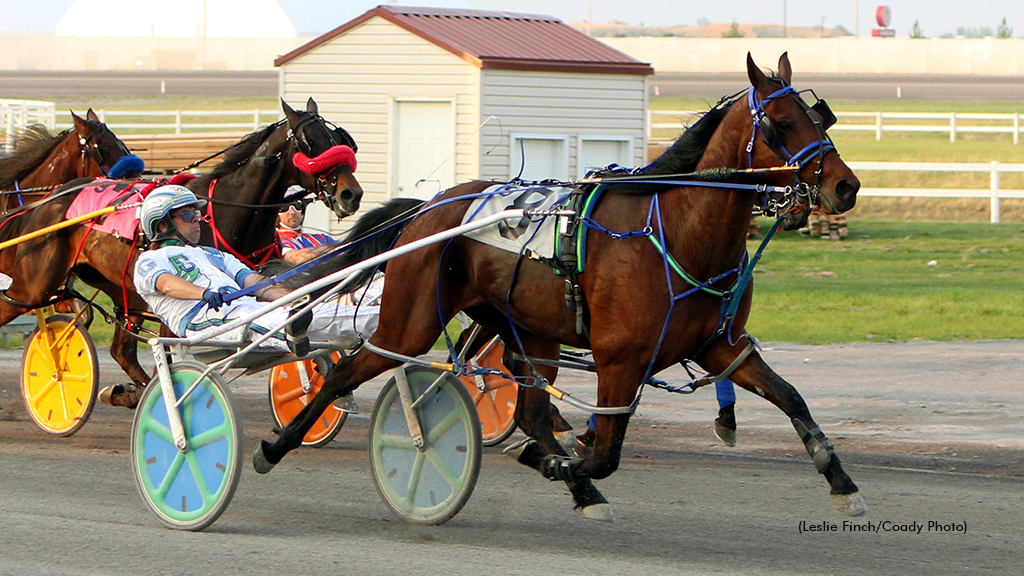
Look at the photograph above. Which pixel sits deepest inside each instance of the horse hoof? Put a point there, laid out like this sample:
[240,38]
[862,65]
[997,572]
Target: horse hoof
[724,434]
[259,460]
[515,451]
[850,504]
[602,512]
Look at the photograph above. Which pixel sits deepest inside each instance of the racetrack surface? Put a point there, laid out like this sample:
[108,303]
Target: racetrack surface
[931,432]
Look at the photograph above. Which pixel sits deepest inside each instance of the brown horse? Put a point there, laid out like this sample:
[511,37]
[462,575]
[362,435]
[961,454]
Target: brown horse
[246,190]
[42,161]
[635,324]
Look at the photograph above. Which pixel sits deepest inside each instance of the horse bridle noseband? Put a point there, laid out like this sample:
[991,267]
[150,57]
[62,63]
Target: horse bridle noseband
[820,115]
[329,177]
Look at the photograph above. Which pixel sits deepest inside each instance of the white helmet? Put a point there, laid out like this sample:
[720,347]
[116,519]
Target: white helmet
[159,204]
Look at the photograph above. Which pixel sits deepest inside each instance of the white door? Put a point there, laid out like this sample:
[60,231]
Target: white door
[545,158]
[423,163]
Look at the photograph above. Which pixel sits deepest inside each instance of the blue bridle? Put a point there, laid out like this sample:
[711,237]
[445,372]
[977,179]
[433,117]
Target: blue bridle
[802,157]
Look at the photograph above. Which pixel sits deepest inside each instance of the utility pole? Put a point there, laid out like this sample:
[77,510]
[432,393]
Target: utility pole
[784,33]
[590,16]
[856,18]
[822,35]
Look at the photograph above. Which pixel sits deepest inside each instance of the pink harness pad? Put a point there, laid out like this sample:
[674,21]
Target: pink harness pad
[103,193]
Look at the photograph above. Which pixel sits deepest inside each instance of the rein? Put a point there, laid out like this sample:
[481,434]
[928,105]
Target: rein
[268,251]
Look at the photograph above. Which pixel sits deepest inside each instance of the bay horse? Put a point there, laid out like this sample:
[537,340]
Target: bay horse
[636,326]
[245,191]
[87,150]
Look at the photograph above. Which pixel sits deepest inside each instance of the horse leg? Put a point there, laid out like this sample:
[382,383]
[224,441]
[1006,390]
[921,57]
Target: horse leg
[410,330]
[755,375]
[538,419]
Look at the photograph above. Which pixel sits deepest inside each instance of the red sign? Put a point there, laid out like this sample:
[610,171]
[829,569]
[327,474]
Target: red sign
[883,16]
[884,32]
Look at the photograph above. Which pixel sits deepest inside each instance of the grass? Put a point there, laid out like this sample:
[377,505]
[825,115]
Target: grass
[892,282]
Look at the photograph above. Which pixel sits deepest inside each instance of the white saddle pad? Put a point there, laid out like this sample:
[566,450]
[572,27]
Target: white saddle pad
[537,235]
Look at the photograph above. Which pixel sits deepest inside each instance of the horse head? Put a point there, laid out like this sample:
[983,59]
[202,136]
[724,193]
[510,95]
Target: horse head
[785,131]
[325,157]
[98,147]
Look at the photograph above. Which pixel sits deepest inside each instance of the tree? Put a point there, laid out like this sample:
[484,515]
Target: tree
[733,32]
[916,31]
[1004,31]
[702,21]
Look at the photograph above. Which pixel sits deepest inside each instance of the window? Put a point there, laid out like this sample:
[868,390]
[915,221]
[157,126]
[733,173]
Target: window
[547,157]
[600,151]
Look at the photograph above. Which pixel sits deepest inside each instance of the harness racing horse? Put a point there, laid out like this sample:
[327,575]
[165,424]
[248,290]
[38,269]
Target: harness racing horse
[637,320]
[88,150]
[245,190]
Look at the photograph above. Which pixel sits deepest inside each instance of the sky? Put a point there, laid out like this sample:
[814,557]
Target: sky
[935,17]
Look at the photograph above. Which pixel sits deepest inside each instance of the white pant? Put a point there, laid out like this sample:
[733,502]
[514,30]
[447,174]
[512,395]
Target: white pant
[340,320]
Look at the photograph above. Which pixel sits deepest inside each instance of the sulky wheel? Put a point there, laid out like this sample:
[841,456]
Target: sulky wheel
[428,485]
[59,376]
[190,490]
[292,387]
[494,396]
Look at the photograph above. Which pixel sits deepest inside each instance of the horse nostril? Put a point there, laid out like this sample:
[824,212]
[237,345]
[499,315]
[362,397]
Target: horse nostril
[347,195]
[846,190]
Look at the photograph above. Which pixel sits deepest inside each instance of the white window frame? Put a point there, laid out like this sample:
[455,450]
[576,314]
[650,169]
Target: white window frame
[515,137]
[629,140]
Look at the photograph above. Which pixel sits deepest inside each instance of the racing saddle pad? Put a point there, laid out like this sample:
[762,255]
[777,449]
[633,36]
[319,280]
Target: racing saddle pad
[103,193]
[539,236]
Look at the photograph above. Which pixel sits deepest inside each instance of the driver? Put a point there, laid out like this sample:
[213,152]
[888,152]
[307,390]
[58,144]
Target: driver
[185,284]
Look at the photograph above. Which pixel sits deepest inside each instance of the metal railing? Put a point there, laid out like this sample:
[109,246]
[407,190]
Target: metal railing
[954,122]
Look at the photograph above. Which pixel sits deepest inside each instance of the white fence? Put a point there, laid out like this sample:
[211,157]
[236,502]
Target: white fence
[994,193]
[254,119]
[953,122]
[15,115]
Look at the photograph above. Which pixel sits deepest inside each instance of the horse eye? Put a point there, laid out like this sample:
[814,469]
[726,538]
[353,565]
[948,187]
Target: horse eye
[785,125]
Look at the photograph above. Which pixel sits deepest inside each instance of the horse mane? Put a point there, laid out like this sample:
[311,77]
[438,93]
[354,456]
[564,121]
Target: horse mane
[684,154]
[239,153]
[31,147]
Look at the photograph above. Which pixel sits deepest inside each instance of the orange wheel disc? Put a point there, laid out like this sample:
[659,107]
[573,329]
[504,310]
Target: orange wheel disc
[288,397]
[494,396]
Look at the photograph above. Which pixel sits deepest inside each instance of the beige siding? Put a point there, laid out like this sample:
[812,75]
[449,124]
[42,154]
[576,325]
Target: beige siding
[356,78]
[571,105]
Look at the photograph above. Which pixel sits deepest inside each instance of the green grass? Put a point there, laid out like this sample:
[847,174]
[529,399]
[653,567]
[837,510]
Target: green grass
[877,285]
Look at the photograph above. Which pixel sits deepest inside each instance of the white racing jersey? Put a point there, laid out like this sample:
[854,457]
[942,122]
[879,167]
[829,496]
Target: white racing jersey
[203,266]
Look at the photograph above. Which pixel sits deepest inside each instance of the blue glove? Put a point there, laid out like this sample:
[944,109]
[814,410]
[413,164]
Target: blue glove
[215,299]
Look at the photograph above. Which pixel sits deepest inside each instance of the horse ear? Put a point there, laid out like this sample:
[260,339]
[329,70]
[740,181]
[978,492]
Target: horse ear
[79,123]
[311,106]
[289,113]
[757,78]
[785,69]
[92,115]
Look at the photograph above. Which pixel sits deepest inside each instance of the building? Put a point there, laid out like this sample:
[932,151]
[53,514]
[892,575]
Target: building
[436,96]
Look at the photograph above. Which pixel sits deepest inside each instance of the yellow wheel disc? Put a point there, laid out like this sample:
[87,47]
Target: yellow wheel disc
[59,376]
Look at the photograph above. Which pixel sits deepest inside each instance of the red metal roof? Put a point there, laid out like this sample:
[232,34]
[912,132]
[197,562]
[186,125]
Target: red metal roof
[498,40]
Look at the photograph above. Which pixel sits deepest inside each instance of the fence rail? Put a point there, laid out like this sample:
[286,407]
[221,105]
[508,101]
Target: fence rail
[16,115]
[876,122]
[994,192]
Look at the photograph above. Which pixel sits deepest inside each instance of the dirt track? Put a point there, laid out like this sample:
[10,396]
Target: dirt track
[929,431]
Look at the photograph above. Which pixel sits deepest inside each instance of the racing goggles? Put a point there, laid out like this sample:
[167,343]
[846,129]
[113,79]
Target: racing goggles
[298,206]
[188,215]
